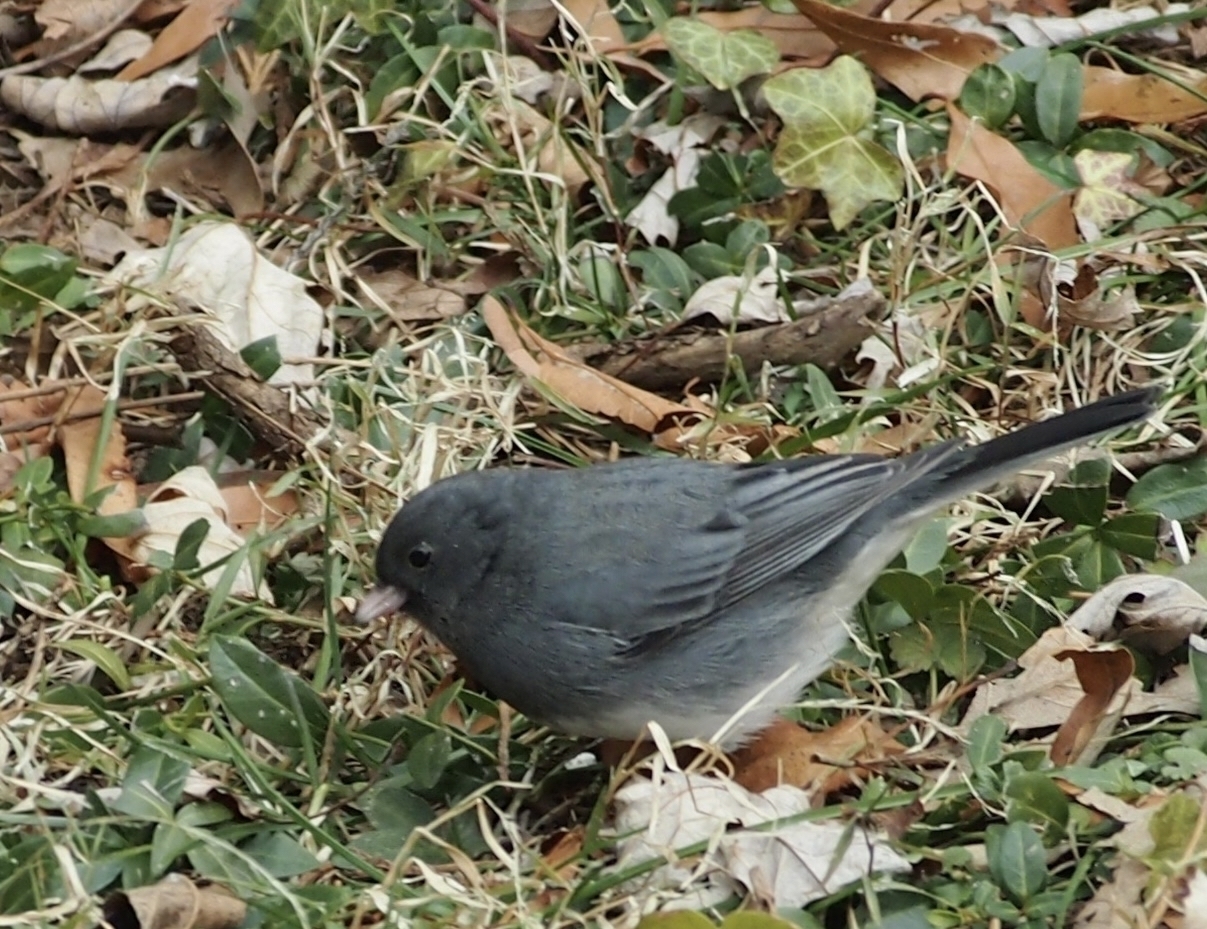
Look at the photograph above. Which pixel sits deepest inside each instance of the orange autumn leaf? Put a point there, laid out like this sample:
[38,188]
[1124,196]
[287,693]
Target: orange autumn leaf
[1101,674]
[572,381]
[786,753]
[1028,200]
[1142,98]
[921,59]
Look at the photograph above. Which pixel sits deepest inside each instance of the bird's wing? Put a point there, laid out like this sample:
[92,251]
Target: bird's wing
[796,509]
[697,542]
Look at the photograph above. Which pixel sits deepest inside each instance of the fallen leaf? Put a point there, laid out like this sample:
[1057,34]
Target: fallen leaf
[1028,200]
[572,381]
[197,23]
[921,59]
[81,106]
[736,298]
[123,46]
[80,441]
[217,266]
[748,851]
[408,299]
[1101,674]
[794,35]
[251,506]
[1143,98]
[1046,31]
[186,497]
[817,762]
[1045,692]
[175,903]
[1108,193]
[1157,613]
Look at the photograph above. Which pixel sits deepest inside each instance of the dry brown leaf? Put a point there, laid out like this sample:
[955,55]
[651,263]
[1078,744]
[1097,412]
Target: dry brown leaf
[1142,98]
[817,762]
[408,299]
[1082,301]
[921,59]
[553,151]
[65,22]
[1028,200]
[153,10]
[1044,694]
[1102,674]
[531,18]
[571,380]
[600,26]
[79,441]
[197,23]
[23,444]
[175,903]
[84,107]
[558,853]
[249,506]
[224,177]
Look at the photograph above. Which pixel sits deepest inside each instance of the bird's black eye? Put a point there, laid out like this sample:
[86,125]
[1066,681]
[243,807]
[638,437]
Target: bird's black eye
[420,556]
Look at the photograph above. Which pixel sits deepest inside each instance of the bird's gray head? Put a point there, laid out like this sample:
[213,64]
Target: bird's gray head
[438,547]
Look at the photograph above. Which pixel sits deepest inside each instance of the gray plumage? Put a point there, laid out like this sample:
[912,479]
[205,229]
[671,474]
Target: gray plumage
[685,592]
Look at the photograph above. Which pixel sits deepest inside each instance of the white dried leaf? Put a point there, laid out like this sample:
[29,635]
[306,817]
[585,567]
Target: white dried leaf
[176,504]
[217,266]
[1158,613]
[736,298]
[783,865]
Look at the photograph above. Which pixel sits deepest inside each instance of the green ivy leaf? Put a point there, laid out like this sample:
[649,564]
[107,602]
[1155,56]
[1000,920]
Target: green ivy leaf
[1016,860]
[988,93]
[1176,491]
[260,693]
[825,144]
[1132,534]
[153,784]
[724,59]
[1033,797]
[1058,98]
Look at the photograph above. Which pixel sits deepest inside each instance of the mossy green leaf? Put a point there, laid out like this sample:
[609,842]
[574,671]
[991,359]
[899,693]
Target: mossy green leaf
[724,59]
[825,143]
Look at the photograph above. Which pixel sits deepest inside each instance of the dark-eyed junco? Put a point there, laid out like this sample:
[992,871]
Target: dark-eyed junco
[699,595]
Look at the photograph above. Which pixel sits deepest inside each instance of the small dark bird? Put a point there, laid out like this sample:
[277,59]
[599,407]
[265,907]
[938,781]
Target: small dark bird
[698,595]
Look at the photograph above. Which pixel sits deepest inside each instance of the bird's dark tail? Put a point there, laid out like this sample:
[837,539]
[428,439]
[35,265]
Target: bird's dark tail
[981,465]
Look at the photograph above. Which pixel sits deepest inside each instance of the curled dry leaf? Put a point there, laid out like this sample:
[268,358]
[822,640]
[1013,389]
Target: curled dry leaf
[1152,612]
[1028,200]
[574,382]
[921,59]
[780,865]
[176,504]
[175,903]
[1047,690]
[1064,294]
[1101,674]
[81,106]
